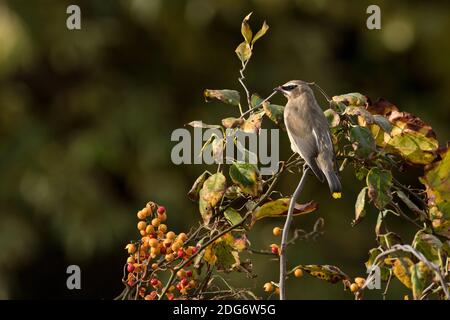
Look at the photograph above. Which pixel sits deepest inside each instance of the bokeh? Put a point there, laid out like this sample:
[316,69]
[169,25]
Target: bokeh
[86,118]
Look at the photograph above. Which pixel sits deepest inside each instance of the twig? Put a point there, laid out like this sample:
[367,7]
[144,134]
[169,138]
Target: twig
[241,81]
[284,239]
[258,105]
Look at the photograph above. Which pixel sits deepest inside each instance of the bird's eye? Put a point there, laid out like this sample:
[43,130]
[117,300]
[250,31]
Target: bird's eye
[289,87]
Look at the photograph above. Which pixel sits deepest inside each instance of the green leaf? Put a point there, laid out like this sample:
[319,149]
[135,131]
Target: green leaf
[211,194]
[379,182]
[227,96]
[328,273]
[246,30]
[261,32]
[373,254]
[247,177]
[243,51]
[437,182]
[361,173]
[233,217]
[429,245]
[275,113]
[360,210]
[332,117]
[419,276]
[362,141]
[279,208]
[223,253]
[383,123]
[193,194]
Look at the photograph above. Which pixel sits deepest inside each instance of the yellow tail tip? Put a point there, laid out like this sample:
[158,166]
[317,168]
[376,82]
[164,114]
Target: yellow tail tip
[337,195]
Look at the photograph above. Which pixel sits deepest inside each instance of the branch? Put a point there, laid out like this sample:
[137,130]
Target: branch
[241,81]
[258,105]
[284,239]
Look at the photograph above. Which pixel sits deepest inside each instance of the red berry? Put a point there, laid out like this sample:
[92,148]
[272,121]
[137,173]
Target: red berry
[189,273]
[162,250]
[178,286]
[152,235]
[170,297]
[161,210]
[154,282]
[184,282]
[180,253]
[130,267]
[274,249]
[194,250]
[130,283]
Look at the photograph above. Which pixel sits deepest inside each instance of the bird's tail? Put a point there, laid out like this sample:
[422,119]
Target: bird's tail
[333,183]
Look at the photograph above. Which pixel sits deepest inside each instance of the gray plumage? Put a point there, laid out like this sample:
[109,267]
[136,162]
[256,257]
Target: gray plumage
[309,132]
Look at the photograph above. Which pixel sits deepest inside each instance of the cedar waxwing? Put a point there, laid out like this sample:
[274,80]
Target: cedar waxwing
[309,133]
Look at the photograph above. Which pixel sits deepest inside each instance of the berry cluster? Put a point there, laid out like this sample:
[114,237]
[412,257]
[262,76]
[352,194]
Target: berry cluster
[158,250]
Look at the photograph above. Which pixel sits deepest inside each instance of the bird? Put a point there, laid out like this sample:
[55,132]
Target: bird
[309,133]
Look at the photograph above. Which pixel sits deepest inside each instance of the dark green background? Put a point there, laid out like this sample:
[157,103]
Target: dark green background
[86,118]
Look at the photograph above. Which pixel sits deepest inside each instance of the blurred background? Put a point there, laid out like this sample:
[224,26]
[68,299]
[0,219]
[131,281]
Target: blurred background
[86,118]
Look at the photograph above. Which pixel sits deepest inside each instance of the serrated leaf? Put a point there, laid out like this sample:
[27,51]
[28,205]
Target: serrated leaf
[362,141]
[210,195]
[379,182]
[360,210]
[328,273]
[247,177]
[279,208]
[233,217]
[227,96]
[243,51]
[261,32]
[246,30]
[193,194]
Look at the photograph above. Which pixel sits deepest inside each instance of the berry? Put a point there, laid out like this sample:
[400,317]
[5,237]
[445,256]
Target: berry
[170,296]
[154,266]
[298,273]
[360,281]
[153,242]
[354,287]
[184,282]
[130,283]
[162,250]
[154,282]
[169,257]
[131,248]
[274,249]
[130,267]
[142,232]
[180,253]
[192,284]
[194,250]
[141,215]
[189,273]
[141,225]
[175,246]
[161,210]
[178,286]
[268,287]
[162,228]
[182,236]
[162,217]
[170,235]
[277,231]
[181,273]
[130,260]
[156,222]
[149,229]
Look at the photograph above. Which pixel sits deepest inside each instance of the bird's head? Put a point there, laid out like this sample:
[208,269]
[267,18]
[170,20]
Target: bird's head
[294,88]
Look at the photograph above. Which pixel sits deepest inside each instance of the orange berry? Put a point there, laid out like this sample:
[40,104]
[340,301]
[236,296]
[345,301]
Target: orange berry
[131,248]
[149,229]
[162,228]
[162,217]
[181,273]
[130,260]
[360,281]
[141,225]
[169,257]
[146,211]
[268,287]
[154,266]
[141,215]
[142,232]
[182,236]
[298,273]
[154,251]
[175,246]
[153,242]
[192,283]
[156,222]
[277,231]
[171,288]
[277,291]
[170,235]
[189,250]
[354,287]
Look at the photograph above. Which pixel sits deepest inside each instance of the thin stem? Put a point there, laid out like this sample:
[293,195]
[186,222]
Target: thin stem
[241,81]
[284,239]
[258,105]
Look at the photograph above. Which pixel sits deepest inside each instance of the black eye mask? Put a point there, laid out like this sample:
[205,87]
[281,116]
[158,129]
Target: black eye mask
[289,88]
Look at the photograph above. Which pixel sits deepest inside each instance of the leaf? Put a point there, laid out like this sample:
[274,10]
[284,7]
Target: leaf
[383,123]
[217,149]
[275,113]
[224,252]
[360,210]
[362,141]
[246,30]
[419,276]
[247,177]
[373,254]
[380,218]
[279,208]
[255,100]
[429,245]
[412,139]
[253,123]
[351,99]
[211,194]
[232,122]
[200,124]
[193,194]
[437,183]
[379,182]
[227,96]
[382,107]
[261,32]
[364,117]
[409,203]
[401,270]
[328,273]
[233,217]
[243,51]
[332,117]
